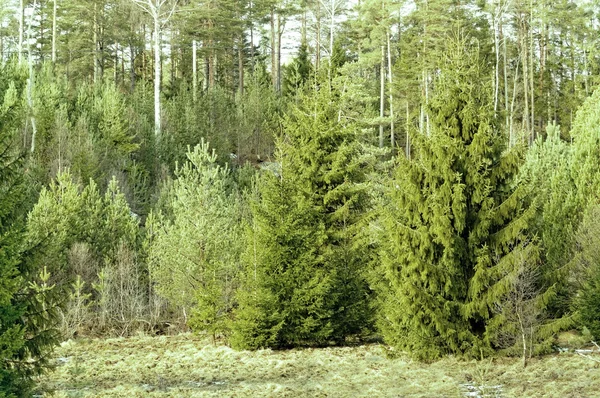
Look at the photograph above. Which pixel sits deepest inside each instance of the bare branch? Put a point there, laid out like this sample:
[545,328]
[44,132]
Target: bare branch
[587,356]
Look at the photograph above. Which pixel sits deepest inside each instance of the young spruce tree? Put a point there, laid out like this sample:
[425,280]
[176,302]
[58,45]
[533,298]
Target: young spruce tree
[26,332]
[304,281]
[455,244]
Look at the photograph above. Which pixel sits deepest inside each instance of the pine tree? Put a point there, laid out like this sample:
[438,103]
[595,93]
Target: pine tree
[546,175]
[304,281]
[456,229]
[194,258]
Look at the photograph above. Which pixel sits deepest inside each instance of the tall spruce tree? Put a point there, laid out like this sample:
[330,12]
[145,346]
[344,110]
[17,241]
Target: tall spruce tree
[305,282]
[456,242]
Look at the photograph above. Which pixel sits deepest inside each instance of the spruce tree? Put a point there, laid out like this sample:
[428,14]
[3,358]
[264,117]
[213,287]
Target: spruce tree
[26,316]
[304,267]
[455,241]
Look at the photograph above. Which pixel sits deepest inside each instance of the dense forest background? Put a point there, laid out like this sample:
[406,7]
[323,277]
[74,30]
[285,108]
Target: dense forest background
[281,174]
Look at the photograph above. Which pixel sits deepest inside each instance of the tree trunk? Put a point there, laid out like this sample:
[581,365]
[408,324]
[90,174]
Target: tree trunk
[194,70]
[318,38]
[525,61]
[273,51]
[427,124]
[30,81]
[381,95]
[95,38]
[511,140]
[407,131]
[241,64]
[54,33]
[505,73]
[331,28]
[157,76]
[390,81]
[21,28]
[279,36]
[495,20]
[116,65]
[132,67]
[531,74]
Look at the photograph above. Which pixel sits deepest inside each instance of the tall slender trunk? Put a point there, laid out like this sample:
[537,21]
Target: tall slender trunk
[273,51]
[21,28]
[390,89]
[42,31]
[157,77]
[173,59]
[543,56]
[318,37]
[251,36]
[331,28]
[205,63]
[123,65]
[407,131]
[30,82]
[194,70]
[303,32]
[95,38]
[241,64]
[511,140]
[381,95]
[427,124]
[252,47]
[144,65]
[54,32]
[495,20]
[531,74]
[116,65]
[279,36]
[132,67]
[525,61]
[505,73]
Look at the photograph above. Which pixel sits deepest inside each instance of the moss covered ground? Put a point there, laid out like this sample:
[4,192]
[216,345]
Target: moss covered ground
[189,366]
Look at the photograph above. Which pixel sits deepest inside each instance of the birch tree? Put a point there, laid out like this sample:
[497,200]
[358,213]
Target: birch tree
[161,12]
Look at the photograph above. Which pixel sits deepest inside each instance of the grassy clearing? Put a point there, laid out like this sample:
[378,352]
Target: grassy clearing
[189,366]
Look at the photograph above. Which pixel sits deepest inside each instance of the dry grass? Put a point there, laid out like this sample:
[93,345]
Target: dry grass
[188,366]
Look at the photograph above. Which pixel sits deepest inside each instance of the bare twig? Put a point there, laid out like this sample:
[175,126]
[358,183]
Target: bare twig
[587,356]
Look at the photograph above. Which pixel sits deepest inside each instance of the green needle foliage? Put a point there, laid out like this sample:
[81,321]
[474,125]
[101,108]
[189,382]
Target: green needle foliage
[194,258]
[305,261]
[456,244]
[26,332]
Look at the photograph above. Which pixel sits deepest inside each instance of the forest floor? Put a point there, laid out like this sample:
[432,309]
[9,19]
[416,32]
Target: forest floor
[189,366]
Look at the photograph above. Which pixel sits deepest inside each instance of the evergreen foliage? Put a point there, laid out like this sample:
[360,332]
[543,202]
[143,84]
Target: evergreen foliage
[304,264]
[298,72]
[26,310]
[456,227]
[585,277]
[546,175]
[194,258]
